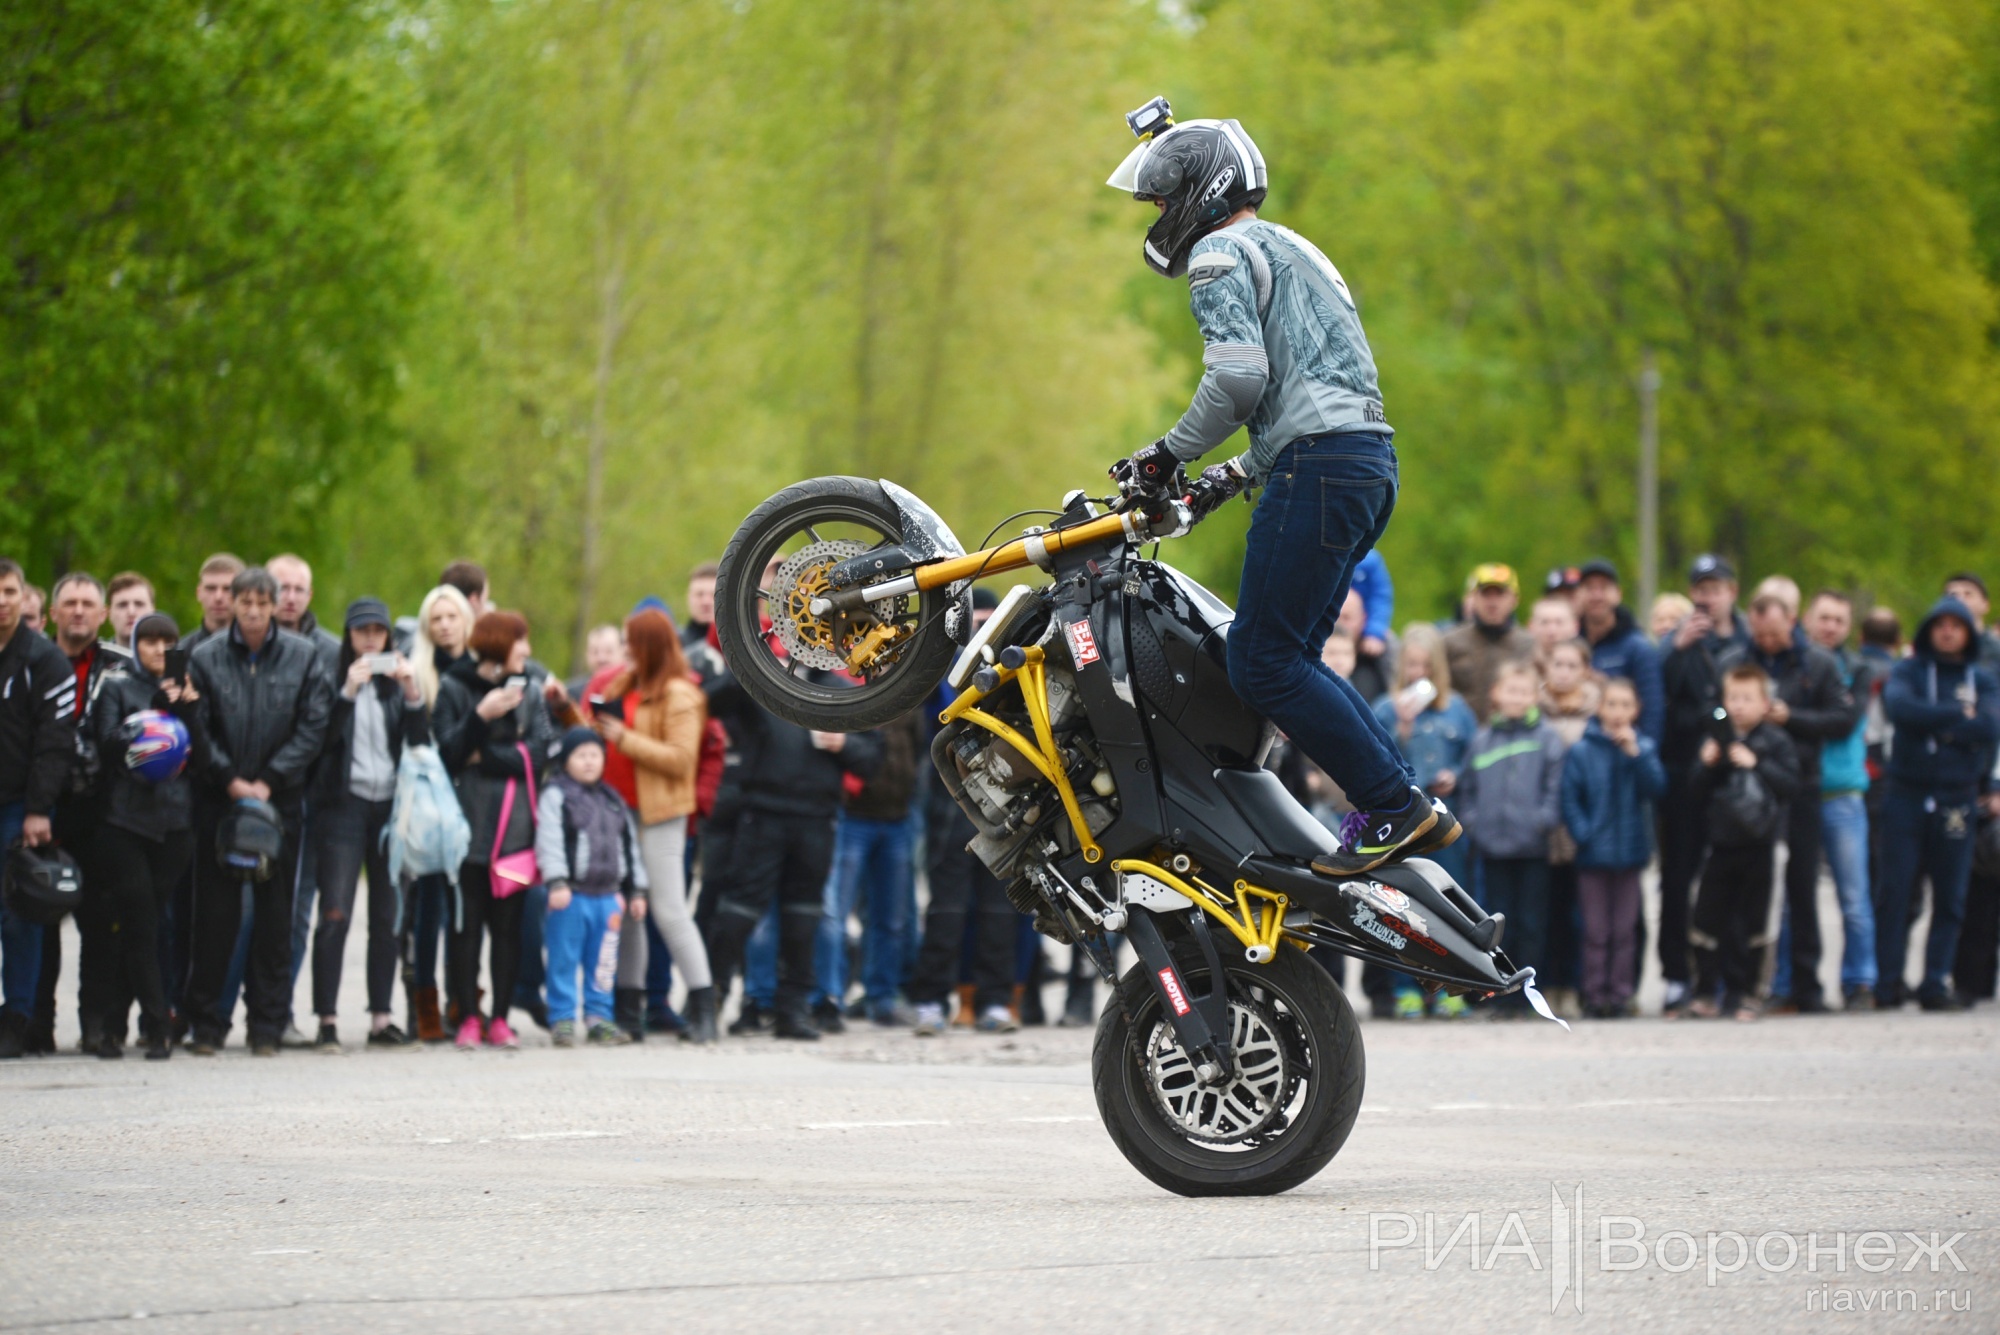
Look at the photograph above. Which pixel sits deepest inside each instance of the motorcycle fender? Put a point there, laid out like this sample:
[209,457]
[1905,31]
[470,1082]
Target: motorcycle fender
[926,537]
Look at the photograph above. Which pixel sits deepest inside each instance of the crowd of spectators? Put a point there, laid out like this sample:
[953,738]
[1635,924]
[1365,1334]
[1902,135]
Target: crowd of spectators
[1580,747]
[565,846]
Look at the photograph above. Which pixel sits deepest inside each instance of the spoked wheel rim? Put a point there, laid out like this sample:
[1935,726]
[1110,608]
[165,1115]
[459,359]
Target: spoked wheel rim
[1247,1116]
[874,648]
[1232,1111]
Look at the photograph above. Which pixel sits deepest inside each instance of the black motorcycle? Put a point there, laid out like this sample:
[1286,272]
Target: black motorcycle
[1118,787]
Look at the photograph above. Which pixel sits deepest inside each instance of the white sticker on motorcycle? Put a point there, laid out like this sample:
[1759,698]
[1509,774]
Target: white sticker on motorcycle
[1174,993]
[1082,644]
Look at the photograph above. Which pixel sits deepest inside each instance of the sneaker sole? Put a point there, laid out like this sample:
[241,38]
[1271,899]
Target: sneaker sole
[1402,850]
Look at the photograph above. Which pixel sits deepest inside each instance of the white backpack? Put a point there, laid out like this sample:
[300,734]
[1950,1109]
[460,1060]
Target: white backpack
[427,834]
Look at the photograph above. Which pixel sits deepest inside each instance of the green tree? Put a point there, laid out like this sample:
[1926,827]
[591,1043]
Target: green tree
[206,275]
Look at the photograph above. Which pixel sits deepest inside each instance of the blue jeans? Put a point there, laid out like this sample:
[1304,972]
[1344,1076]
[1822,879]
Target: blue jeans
[1519,888]
[575,937]
[871,869]
[760,960]
[1844,837]
[20,942]
[1922,834]
[1325,505]
[534,915]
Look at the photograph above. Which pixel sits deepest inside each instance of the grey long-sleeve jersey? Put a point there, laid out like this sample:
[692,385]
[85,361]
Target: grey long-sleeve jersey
[1285,352]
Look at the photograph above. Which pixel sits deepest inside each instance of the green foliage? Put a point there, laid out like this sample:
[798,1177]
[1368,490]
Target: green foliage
[567,286]
[206,274]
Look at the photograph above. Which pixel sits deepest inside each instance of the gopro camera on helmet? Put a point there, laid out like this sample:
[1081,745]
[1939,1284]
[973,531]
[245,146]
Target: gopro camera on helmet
[1150,119]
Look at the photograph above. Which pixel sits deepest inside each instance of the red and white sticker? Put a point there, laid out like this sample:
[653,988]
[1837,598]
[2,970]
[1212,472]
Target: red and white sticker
[1082,644]
[1172,983]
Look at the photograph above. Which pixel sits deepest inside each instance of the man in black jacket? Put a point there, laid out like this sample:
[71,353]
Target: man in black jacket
[1811,702]
[790,782]
[1693,685]
[266,705]
[38,700]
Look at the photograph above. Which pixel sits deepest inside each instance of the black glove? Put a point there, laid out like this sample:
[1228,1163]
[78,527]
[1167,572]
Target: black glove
[1152,471]
[1217,483]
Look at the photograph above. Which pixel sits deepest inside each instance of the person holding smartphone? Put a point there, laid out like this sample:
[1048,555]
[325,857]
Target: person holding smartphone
[492,733]
[378,709]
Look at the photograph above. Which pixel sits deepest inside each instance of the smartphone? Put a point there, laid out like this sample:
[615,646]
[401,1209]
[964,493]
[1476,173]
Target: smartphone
[381,665]
[1418,694]
[604,708]
[517,683]
[177,665]
[1719,729]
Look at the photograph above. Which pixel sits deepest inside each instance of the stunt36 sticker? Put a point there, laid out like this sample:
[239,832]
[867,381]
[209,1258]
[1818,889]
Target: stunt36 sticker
[1082,644]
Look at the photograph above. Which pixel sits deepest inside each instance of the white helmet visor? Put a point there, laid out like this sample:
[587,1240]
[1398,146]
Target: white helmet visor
[1126,178]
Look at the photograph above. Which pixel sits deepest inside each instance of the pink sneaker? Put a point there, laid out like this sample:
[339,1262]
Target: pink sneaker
[469,1034]
[500,1034]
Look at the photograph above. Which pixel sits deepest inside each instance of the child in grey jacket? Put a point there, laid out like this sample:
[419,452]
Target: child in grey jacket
[586,847]
[1509,797]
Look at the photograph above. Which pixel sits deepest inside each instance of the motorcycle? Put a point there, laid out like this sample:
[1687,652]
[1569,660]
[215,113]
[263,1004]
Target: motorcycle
[1117,786]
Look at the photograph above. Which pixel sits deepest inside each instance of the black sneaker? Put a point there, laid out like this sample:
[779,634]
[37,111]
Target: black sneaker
[1861,999]
[1368,839]
[109,1049]
[328,1042]
[826,1018]
[389,1036]
[1940,1001]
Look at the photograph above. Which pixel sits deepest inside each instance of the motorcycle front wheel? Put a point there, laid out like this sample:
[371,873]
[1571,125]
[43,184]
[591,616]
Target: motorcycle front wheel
[781,653]
[1282,1115]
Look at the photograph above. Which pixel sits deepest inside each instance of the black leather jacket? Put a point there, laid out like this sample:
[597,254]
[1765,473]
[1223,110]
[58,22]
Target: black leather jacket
[151,810]
[266,717]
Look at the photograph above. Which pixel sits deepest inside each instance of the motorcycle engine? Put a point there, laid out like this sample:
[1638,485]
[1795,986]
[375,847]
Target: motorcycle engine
[1005,794]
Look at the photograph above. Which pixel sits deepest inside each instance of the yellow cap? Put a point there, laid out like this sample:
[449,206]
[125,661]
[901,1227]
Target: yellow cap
[1494,575]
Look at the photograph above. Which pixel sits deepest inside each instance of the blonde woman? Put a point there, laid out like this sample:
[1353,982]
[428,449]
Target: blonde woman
[444,625]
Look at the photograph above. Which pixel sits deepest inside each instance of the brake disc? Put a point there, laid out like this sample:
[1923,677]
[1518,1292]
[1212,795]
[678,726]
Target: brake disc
[1251,1101]
[820,641]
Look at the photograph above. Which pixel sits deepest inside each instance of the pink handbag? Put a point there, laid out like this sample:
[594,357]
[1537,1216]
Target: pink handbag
[517,871]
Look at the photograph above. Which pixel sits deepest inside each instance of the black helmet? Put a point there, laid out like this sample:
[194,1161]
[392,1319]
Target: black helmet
[1204,171]
[42,883]
[250,839]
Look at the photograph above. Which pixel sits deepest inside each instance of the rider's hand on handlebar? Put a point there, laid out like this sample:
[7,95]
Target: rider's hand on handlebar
[1153,471]
[1217,483]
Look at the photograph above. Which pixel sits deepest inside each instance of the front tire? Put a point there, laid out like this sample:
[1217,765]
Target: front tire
[860,512]
[1292,1108]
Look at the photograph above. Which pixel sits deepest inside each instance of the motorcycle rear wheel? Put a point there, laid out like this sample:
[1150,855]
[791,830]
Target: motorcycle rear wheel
[861,513]
[1292,1000]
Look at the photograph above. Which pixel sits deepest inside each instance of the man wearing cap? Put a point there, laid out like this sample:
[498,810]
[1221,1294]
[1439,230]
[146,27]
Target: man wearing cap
[1619,646]
[1489,638]
[1693,687]
[1811,702]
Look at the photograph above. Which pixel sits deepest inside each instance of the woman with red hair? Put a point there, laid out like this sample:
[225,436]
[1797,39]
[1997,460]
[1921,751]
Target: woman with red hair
[660,734]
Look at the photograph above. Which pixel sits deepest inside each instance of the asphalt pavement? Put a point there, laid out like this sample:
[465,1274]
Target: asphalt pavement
[878,1182]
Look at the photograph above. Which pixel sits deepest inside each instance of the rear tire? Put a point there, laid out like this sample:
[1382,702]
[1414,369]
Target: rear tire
[832,706]
[1321,1038]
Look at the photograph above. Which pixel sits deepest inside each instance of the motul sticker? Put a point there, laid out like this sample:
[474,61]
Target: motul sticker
[1082,644]
[1174,993]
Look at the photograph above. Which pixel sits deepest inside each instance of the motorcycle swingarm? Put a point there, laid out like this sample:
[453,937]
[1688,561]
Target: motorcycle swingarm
[1200,1022]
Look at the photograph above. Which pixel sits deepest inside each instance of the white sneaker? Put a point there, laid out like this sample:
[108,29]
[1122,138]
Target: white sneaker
[998,1020]
[930,1020]
[1675,994]
[294,1037]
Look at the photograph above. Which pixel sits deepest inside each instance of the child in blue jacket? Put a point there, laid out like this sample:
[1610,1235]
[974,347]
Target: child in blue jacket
[1610,780]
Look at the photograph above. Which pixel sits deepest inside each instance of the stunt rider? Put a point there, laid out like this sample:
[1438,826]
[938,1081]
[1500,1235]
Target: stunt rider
[1285,356]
